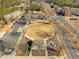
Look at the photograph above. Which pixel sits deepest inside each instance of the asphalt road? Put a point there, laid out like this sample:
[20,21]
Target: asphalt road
[75,33]
[20,23]
[65,38]
[70,28]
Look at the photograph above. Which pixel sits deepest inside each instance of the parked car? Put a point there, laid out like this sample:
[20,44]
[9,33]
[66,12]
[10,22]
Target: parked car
[73,19]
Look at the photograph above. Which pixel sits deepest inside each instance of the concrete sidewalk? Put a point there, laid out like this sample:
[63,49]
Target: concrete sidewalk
[1,34]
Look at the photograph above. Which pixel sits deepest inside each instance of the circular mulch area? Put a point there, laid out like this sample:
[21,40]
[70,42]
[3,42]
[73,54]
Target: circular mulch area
[39,30]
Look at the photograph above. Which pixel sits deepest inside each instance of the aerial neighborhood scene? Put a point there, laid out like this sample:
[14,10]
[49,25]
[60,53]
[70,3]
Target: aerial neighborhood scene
[39,29]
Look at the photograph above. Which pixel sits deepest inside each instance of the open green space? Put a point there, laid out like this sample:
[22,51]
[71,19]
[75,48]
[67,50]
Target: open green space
[6,7]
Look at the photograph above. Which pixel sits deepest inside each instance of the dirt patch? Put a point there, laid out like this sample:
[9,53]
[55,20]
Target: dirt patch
[38,53]
[74,24]
[39,30]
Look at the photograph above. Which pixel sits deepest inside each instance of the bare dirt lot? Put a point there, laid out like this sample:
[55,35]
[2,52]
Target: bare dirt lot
[74,24]
[39,30]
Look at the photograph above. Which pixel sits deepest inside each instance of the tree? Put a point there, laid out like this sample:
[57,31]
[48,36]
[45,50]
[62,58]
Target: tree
[36,8]
[39,0]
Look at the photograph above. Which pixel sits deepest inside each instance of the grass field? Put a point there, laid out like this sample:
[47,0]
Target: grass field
[6,5]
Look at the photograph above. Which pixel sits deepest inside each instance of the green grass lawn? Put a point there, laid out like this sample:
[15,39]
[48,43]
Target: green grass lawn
[7,10]
[6,5]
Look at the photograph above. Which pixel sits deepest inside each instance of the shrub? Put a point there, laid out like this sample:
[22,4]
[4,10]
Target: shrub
[36,8]
[74,5]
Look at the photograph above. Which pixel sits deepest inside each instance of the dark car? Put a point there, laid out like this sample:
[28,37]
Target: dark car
[61,12]
[73,19]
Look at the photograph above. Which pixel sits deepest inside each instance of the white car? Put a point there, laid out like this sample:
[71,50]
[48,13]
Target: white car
[77,53]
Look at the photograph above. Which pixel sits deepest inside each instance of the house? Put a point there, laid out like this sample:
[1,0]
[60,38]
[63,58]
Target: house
[75,11]
[68,13]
